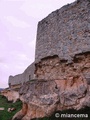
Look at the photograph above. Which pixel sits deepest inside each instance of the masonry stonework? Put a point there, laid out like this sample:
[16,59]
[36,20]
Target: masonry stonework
[65,32]
[18,80]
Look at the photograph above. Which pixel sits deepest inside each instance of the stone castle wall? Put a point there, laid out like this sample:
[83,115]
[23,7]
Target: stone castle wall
[62,64]
[63,43]
[61,37]
[65,32]
[19,79]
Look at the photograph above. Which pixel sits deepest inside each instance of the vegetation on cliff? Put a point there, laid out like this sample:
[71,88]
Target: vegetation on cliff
[4,114]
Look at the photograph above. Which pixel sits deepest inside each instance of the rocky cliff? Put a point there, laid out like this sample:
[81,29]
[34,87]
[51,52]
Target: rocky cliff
[62,64]
[42,98]
[11,95]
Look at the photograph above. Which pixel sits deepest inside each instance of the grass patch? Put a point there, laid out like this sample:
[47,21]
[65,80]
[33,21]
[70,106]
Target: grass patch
[5,115]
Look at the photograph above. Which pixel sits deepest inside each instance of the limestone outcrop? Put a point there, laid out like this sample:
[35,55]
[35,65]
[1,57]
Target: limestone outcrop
[11,95]
[53,68]
[42,98]
[62,64]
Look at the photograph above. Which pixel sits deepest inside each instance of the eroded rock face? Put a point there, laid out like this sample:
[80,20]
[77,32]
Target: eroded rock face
[41,98]
[72,79]
[11,95]
[53,68]
[44,97]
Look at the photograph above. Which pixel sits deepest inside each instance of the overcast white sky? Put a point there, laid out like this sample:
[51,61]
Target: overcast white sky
[18,27]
